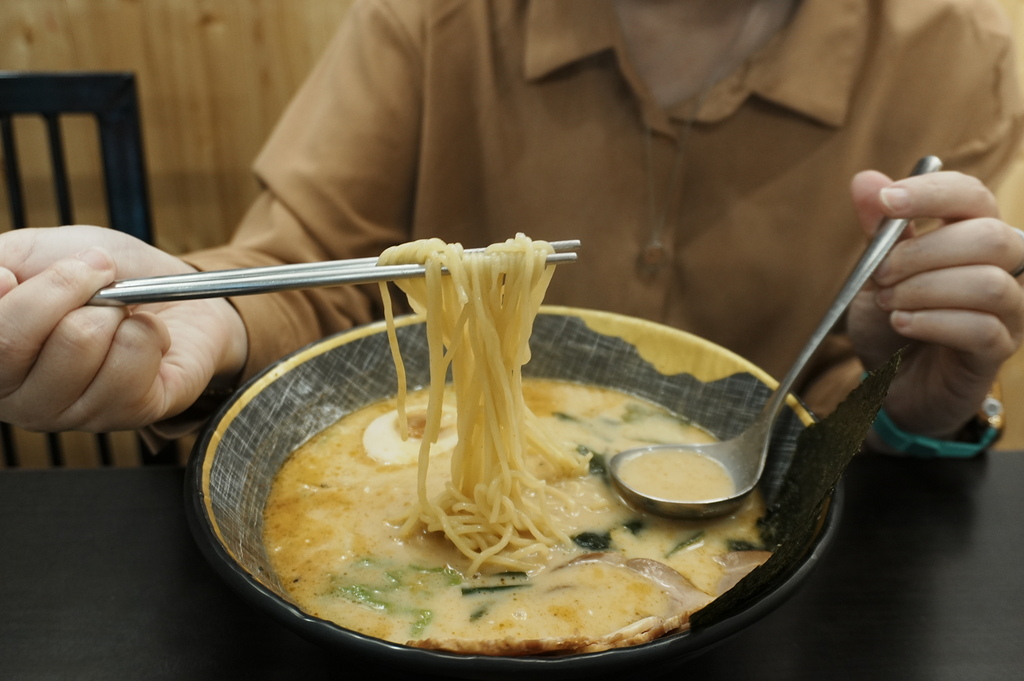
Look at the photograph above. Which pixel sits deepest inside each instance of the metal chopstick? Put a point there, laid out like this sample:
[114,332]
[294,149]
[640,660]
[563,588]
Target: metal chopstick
[255,280]
[331,266]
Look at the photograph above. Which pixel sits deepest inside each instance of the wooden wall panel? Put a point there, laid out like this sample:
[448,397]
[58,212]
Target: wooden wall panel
[214,75]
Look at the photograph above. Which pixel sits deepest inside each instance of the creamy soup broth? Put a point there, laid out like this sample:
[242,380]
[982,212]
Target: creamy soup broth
[332,531]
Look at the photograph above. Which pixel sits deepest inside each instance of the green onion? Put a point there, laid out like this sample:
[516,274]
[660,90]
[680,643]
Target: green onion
[597,465]
[689,541]
[594,541]
[421,618]
[634,526]
[365,595]
[501,585]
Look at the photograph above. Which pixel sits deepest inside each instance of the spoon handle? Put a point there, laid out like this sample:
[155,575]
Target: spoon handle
[886,236]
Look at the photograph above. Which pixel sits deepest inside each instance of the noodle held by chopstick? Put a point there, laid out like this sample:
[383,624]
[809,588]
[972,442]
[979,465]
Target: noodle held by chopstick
[479,317]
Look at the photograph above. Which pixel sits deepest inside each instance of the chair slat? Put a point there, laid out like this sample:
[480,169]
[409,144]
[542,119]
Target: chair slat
[59,170]
[12,173]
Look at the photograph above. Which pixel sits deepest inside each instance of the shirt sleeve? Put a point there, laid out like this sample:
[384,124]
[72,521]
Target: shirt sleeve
[337,177]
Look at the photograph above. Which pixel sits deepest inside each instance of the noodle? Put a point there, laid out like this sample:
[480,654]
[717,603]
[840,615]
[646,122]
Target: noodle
[479,318]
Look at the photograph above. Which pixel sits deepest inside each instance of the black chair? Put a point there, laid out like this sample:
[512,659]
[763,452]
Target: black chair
[110,99]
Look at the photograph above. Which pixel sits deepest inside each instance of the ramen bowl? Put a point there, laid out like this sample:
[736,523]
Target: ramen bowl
[244,446]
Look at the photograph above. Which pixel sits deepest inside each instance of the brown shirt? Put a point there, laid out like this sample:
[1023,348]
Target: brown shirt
[471,121]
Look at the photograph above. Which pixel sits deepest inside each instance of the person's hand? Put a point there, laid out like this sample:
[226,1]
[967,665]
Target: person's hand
[948,293]
[65,365]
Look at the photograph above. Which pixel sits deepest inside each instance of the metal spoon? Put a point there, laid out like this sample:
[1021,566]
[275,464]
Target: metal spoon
[743,456]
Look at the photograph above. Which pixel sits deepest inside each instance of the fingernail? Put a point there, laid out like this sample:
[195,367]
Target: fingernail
[895,199]
[900,319]
[883,298]
[95,258]
[7,281]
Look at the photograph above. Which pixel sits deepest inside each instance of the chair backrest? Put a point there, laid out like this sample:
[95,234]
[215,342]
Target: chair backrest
[110,98]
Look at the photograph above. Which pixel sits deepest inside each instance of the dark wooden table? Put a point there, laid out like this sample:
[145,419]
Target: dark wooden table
[100,579]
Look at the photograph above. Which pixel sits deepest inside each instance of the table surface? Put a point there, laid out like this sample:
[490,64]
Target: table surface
[100,579]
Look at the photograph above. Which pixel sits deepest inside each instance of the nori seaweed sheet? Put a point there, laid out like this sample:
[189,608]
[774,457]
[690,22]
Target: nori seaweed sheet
[822,454]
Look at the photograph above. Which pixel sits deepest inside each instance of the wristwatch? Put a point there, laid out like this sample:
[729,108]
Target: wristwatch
[977,436]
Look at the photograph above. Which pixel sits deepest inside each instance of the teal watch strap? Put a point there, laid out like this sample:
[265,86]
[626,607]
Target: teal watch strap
[918,445]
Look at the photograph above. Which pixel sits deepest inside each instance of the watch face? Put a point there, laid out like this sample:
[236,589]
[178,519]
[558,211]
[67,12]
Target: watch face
[992,412]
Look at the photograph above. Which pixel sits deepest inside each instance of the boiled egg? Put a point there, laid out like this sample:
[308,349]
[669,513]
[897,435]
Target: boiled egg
[383,441]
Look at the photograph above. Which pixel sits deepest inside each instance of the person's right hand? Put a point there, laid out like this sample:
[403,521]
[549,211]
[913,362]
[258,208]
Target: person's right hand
[65,365]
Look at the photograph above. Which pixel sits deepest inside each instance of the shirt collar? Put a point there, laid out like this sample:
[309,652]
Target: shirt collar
[810,67]
[560,33]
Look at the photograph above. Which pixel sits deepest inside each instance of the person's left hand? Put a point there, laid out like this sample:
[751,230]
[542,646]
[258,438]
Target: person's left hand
[947,293]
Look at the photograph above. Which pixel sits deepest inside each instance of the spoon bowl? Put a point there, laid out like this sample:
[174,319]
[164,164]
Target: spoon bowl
[676,508]
[743,457]
[733,455]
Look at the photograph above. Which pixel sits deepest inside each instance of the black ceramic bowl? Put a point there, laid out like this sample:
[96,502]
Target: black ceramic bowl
[243,447]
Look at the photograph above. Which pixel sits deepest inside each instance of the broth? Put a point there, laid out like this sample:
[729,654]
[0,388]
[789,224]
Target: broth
[332,521]
[678,476]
